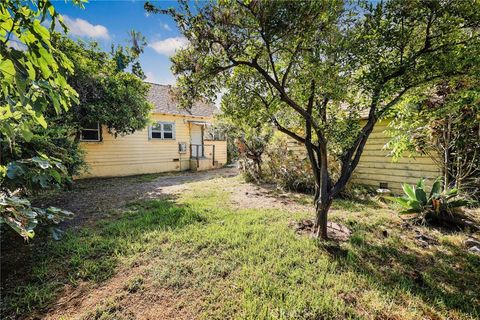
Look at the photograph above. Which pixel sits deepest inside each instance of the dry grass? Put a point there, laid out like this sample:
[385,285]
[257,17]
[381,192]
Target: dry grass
[208,252]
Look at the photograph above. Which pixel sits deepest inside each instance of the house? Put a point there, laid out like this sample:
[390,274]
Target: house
[178,139]
[377,169]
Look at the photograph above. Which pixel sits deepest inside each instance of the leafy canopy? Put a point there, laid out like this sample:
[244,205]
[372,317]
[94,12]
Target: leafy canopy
[32,82]
[316,65]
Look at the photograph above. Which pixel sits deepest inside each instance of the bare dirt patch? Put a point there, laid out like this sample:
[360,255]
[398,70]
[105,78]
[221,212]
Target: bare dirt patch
[335,231]
[115,299]
[251,196]
[92,199]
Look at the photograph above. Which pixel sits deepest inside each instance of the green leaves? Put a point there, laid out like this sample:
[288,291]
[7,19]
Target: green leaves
[32,84]
[19,214]
[31,77]
[416,200]
[409,191]
[436,188]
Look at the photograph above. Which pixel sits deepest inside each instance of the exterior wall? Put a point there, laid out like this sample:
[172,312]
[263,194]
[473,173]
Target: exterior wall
[375,166]
[220,151]
[137,154]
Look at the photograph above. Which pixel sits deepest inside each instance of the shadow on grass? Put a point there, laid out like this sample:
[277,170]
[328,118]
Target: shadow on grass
[447,279]
[91,254]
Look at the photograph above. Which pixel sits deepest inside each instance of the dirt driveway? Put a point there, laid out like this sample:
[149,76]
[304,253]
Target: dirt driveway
[89,199]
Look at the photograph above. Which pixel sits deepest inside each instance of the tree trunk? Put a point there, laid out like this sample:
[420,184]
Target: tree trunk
[324,199]
[258,163]
[321,210]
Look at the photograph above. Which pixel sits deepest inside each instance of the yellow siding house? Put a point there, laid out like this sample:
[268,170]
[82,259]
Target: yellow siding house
[376,168]
[177,140]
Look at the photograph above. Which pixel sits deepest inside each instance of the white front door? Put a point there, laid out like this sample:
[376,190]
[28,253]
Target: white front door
[196,140]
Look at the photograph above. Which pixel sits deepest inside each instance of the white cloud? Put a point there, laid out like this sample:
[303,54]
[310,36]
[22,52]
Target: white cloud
[162,79]
[168,46]
[165,26]
[150,77]
[83,28]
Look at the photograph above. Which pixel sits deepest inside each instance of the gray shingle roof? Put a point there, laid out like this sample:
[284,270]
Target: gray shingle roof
[164,102]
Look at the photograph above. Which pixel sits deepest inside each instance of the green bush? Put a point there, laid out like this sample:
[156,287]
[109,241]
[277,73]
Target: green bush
[288,169]
[437,206]
[418,201]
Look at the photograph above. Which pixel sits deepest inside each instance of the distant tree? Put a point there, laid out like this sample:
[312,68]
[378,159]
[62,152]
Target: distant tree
[108,94]
[321,62]
[126,56]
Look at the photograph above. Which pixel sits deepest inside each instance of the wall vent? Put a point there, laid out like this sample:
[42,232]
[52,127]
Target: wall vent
[383,185]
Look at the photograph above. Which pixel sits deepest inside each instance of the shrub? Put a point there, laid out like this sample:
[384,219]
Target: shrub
[435,207]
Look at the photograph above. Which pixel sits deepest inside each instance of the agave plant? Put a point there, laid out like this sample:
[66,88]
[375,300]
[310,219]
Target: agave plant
[417,200]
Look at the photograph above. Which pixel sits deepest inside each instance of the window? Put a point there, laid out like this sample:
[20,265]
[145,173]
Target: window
[91,132]
[163,130]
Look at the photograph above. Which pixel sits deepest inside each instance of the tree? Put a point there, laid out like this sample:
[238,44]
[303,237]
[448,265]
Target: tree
[324,61]
[32,80]
[40,74]
[445,124]
[108,94]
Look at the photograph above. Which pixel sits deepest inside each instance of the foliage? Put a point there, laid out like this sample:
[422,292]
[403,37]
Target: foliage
[288,168]
[417,200]
[245,262]
[107,93]
[33,83]
[32,69]
[22,217]
[313,66]
[251,143]
[35,173]
[438,206]
[444,123]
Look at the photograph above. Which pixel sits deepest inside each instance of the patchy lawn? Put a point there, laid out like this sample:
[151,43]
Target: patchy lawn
[219,248]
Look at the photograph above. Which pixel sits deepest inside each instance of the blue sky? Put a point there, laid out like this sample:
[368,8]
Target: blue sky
[110,21]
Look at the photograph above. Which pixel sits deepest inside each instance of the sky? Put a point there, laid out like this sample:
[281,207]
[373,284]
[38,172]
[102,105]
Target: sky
[109,22]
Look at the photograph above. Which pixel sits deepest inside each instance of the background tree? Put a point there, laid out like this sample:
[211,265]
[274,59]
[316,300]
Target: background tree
[108,94]
[443,123]
[323,62]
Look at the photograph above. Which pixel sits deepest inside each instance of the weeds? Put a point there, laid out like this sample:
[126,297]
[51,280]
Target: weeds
[226,262]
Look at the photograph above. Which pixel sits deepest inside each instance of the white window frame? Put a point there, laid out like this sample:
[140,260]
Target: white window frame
[98,130]
[161,131]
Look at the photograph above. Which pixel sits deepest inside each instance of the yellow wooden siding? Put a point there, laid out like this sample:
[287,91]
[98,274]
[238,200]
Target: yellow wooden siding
[137,154]
[220,151]
[376,166]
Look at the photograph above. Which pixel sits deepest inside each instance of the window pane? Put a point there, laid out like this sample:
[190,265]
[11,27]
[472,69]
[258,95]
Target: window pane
[167,127]
[93,126]
[168,135]
[157,127]
[156,135]
[90,135]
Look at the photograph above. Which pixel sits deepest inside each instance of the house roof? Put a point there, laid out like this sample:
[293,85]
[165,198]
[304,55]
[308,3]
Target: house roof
[163,100]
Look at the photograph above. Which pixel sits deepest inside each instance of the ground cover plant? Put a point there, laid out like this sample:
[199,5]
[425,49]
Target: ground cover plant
[229,251]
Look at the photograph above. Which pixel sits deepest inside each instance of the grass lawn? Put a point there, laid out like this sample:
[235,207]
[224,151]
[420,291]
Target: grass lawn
[200,255]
